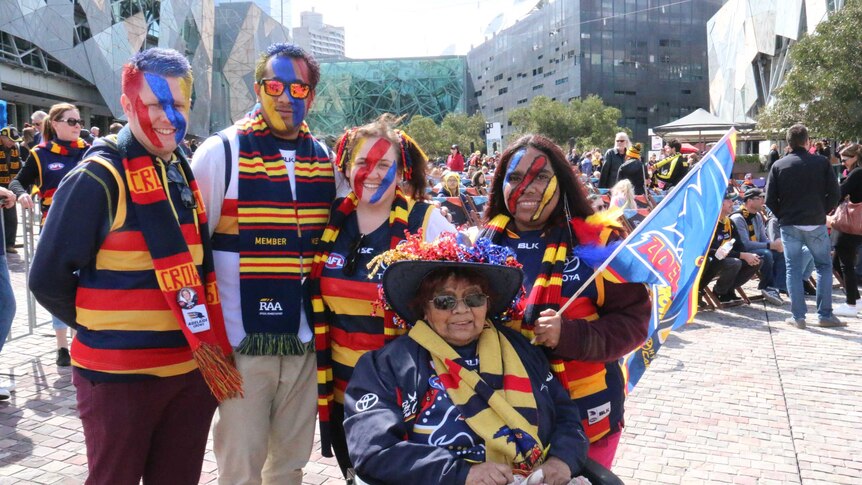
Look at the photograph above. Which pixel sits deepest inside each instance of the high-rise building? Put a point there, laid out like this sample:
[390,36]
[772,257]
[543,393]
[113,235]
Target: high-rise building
[748,45]
[646,57]
[322,40]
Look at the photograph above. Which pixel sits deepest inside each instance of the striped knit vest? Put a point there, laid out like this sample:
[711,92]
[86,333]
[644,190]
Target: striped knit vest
[596,387]
[127,331]
[353,329]
[52,168]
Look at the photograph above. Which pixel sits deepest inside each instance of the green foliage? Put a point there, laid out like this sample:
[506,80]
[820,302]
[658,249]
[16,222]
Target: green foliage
[589,121]
[822,89]
[740,159]
[456,128]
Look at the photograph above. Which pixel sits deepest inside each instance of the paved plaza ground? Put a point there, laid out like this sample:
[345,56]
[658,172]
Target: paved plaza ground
[738,396]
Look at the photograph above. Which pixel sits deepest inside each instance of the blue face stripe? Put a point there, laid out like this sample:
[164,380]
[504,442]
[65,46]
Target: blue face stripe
[282,68]
[160,88]
[385,183]
[513,164]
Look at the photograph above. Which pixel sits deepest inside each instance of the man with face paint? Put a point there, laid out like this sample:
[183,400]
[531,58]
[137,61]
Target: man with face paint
[127,237]
[269,185]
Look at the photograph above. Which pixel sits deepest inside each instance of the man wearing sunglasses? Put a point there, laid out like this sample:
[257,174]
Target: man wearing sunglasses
[614,159]
[123,255]
[268,184]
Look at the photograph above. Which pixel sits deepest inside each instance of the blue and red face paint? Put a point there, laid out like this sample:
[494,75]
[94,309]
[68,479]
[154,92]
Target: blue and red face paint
[531,177]
[375,154]
[285,69]
[162,91]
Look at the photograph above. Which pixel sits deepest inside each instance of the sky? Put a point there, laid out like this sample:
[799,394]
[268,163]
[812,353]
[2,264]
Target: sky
[410,28]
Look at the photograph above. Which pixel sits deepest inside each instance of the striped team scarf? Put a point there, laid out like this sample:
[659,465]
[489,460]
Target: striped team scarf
[65,148]
[397,227]
[749,221]
[168,245]
[496,402]
[547,289]
[277,233]
[591,236]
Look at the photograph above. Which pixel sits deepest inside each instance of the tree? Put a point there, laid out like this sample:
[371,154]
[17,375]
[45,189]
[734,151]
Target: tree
[460,129]
[589,121]
[822,89]
[427,135]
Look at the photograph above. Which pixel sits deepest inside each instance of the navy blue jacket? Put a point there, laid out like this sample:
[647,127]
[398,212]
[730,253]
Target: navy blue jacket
[398,374]
[801,189]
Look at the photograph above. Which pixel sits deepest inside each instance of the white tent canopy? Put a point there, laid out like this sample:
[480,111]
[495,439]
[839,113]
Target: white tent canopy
[702,126]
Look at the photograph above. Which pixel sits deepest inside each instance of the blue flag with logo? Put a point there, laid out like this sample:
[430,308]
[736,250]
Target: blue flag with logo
[667,249]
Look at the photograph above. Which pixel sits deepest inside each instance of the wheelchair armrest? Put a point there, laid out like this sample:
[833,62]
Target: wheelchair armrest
[599,475]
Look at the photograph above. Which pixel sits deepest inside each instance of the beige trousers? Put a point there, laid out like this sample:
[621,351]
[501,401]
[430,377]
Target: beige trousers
[266,437]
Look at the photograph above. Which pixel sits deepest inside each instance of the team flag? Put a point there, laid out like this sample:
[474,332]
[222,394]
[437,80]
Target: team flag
[667,249]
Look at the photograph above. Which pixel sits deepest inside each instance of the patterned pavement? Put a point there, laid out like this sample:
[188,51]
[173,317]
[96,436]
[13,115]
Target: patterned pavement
[736,397]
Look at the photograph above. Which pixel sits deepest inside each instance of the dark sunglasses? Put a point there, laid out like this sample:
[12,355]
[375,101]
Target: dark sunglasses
[71,122]
[275,88]
[186,194]
[449,302]
[349,268]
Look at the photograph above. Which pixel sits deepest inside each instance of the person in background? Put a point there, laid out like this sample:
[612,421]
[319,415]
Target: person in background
[726,258]
[800,190]
[451,185]
[846,244]
[60,151]
[671,169]
[95,130]
[751,228]
[747,182]
[634,170]
[7,296]
[10,164]
[37,118]
[455,162]
[614,158]
[623,195]
[115,128]
[773,157]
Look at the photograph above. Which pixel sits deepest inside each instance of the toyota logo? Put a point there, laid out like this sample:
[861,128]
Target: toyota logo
[366,402]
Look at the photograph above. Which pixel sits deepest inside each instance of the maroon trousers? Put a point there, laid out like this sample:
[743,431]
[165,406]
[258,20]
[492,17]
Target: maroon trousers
[154,429]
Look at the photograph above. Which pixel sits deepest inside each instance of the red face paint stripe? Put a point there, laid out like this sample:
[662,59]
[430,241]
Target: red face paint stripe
[533,172]
[380,147]
[134,85]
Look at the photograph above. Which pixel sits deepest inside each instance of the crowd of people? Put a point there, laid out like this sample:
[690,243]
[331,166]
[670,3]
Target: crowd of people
[284,283]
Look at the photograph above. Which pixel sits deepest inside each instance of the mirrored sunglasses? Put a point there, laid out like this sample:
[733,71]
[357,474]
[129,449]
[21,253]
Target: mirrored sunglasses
[275,88]
[449,302]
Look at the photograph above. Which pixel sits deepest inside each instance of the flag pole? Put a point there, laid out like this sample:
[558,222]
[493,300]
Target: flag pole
[643,223]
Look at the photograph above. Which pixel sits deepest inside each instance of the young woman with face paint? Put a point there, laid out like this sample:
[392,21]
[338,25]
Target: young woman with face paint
[537,208]
[386,169]
[61,149]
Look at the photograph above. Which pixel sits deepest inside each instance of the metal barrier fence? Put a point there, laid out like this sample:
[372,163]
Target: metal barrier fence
[28,218]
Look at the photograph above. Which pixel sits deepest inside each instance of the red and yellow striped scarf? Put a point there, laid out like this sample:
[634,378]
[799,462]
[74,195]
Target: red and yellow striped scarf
[397,226]
[279,226]
[506,419]
[174,266]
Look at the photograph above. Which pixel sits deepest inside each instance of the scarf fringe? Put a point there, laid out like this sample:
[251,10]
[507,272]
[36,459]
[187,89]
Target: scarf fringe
[218,371]
[281,344]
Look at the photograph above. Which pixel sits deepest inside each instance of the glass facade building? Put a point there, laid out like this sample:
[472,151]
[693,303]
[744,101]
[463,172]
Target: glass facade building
[354,92]
[748,45]
[646,57]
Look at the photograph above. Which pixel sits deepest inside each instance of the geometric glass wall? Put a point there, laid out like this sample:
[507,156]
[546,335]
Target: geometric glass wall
[354,92]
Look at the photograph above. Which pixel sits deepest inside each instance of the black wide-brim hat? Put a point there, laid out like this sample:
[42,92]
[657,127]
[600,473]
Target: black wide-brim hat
[401,282]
